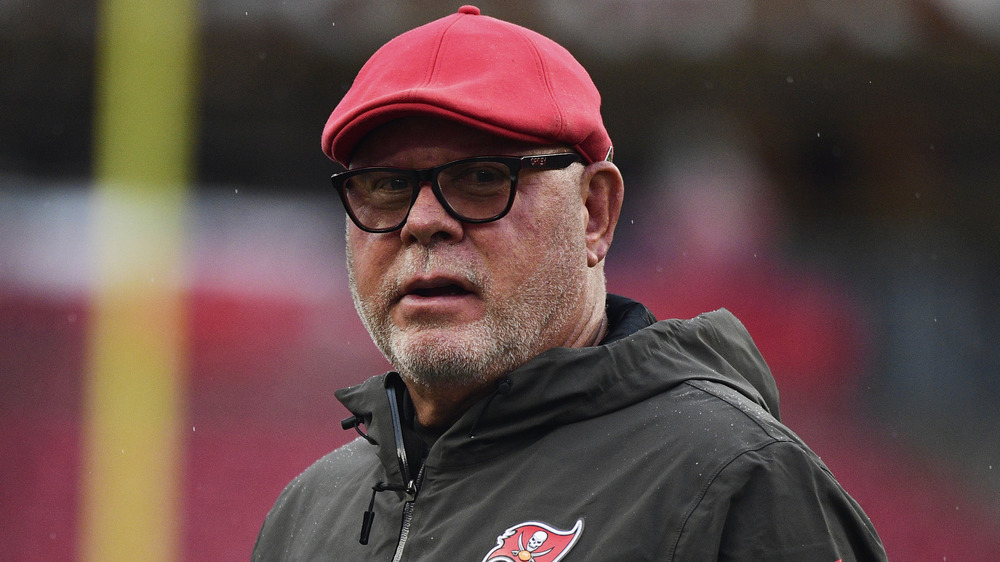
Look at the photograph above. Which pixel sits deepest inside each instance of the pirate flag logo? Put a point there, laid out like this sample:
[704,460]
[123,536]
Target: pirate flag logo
[534,541]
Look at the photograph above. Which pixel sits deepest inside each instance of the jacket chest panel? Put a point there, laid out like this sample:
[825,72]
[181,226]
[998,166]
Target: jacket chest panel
[556,481]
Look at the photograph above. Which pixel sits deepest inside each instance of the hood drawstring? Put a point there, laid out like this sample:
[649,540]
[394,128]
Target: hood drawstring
[369,517]
[503,389]
[356,422]
[411,486]
[366,525]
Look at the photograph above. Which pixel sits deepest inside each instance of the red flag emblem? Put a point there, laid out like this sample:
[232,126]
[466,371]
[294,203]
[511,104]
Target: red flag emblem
[534,541]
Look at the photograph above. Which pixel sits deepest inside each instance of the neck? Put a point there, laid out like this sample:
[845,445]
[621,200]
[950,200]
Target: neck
[593,325]
[440,405]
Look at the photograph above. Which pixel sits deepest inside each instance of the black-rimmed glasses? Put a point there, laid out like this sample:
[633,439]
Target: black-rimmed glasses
[472,190]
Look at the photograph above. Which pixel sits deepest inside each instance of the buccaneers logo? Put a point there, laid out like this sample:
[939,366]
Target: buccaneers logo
[534,541]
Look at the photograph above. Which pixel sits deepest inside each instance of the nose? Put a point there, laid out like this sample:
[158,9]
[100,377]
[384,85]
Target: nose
[428,220]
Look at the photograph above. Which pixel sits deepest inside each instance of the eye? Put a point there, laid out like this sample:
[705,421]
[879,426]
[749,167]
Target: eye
[483,178]
[389,184]
[484,174]
[379,189]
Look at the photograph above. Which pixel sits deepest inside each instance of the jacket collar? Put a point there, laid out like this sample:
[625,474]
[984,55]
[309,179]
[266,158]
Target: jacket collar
[637,360]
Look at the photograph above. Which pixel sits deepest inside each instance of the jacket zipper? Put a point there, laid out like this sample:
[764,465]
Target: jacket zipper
[412,484]
[404,531]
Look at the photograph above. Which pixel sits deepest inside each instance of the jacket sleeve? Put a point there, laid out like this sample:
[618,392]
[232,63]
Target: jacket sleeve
[778,503]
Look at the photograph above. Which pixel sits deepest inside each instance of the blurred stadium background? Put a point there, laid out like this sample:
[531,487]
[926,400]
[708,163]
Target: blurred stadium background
[174,313]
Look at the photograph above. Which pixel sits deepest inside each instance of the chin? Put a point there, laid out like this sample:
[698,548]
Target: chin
[433,358]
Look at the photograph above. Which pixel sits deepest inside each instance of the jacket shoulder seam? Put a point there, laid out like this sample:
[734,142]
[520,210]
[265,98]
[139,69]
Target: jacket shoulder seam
[772,439]
[708,388]
[711,481]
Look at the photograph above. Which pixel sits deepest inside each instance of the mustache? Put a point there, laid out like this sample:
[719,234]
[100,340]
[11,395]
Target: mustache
[420,261]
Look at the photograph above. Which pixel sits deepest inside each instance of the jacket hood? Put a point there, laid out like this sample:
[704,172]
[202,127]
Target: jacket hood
[566,385]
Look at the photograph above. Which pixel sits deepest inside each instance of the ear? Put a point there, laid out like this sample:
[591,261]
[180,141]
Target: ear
[603,189]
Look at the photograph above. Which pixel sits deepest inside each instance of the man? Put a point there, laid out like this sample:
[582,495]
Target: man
[531,416]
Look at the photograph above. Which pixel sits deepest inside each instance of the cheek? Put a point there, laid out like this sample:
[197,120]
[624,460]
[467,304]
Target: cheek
[368,260]
[510,250]
[522,248]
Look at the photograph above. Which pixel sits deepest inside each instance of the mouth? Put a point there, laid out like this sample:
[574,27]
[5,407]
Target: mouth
[439,291]
[438,299]
[433,287]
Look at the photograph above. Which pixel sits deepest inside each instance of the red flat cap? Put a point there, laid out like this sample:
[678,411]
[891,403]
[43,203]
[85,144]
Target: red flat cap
[480,71]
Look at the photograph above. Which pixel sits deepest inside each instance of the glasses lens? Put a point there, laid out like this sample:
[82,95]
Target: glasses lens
[476,190]
[379,199]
